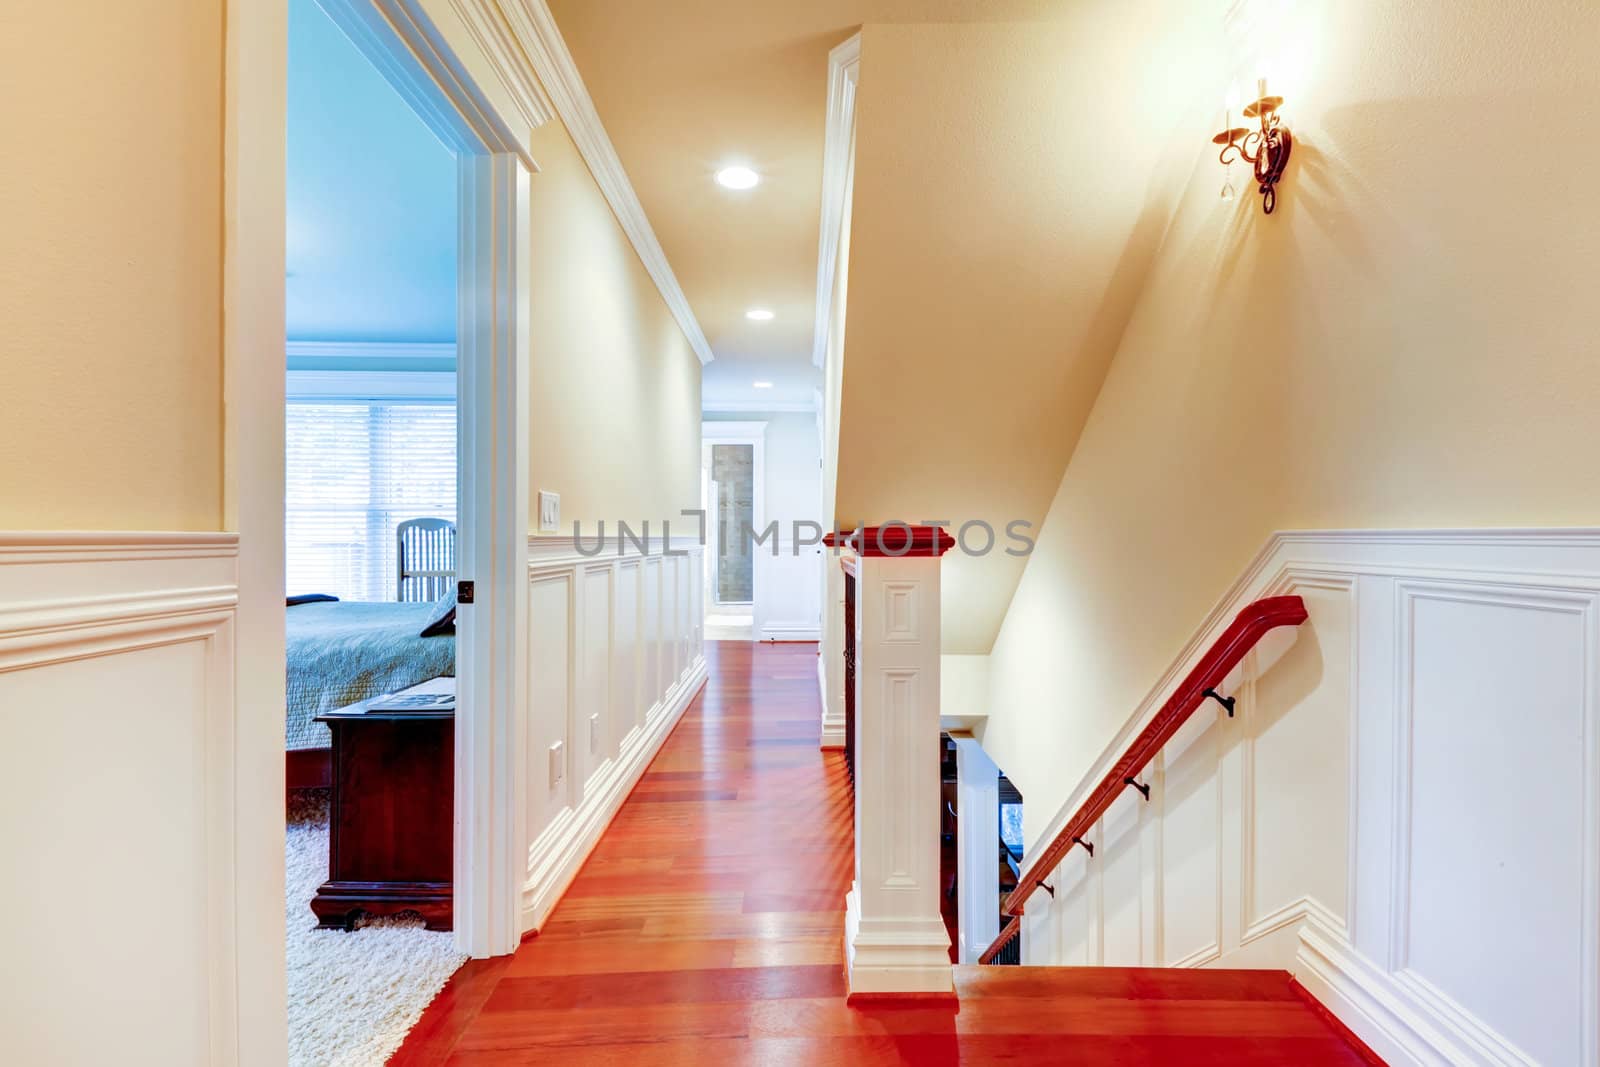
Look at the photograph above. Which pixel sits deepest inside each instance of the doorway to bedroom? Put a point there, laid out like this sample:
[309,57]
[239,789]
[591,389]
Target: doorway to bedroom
[371,464]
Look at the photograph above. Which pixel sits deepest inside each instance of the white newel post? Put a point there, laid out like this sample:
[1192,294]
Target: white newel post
[895,939]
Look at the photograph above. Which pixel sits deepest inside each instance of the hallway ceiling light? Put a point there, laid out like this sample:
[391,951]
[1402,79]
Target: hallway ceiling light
[738,178]
[762,385]
[758,315]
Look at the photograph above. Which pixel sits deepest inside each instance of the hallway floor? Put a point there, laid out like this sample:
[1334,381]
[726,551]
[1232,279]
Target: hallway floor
[707,927]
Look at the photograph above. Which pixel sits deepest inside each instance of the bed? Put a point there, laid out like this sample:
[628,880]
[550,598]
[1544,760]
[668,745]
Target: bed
[339,652]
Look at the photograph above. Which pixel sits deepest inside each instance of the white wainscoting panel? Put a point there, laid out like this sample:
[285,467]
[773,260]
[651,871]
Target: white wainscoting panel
[1404,810]
[550,710]
[594,732]
[614,658]
[117,797]
[627,707]
[650,633]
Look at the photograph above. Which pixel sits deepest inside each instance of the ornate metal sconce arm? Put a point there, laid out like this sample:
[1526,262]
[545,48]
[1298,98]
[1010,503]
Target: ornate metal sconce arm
[1265,149]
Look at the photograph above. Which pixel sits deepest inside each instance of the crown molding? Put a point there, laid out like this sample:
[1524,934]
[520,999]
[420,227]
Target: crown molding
[428,74]
[838,160]
[535,27]
[358,350]
[492,33]
[722,407]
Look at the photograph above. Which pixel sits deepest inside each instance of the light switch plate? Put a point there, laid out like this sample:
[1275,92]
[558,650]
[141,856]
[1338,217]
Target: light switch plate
[549,512]
[594,732]
[558,764]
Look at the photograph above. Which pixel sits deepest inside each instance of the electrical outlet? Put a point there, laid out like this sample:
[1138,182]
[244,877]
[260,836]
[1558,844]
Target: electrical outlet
[594,732]
[558,763]
[549,512]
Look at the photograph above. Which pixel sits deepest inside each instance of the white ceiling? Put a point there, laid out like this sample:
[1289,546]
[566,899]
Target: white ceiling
[371,196]
[687,87]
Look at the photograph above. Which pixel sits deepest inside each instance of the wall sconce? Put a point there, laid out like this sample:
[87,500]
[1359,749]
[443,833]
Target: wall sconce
[1266,149]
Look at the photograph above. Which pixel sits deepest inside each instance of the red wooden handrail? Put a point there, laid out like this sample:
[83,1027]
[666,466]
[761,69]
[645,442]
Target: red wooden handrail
[1239,638]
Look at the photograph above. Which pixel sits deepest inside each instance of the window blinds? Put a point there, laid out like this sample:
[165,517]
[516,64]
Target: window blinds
[355,471]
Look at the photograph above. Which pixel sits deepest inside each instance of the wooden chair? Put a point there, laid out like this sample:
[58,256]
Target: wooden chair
[425,559]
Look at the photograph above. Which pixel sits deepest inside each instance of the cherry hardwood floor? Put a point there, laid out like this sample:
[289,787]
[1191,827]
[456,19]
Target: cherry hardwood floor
[707,928]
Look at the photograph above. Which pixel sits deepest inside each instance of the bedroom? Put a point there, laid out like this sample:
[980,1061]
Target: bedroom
[371,475]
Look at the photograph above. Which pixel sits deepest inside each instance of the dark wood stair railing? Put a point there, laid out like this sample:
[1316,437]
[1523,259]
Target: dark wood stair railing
[1007,948]
[1253,623]
[850,675]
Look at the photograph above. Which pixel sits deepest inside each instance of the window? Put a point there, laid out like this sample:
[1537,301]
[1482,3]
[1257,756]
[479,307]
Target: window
[355,471]
[1011,828]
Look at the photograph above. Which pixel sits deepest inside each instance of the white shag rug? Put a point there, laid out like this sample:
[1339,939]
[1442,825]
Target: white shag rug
[353,995]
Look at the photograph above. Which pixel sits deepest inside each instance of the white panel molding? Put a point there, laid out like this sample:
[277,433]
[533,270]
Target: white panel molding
[633,657]
[1253,923]
[555,856]
[650,613]
[535,28]
[1408,593]
[68,599]
[1304,909]
[1360,958]
[838,158]
[1533,557]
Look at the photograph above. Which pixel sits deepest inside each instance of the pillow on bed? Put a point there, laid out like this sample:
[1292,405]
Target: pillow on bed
[311,598]
[443,619]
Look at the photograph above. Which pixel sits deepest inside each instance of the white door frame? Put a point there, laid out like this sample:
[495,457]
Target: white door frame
[409,50]
[432,52]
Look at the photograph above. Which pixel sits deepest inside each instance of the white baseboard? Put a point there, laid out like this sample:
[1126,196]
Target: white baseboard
[832,732]
[1388,1012]
[557,854]
[786,631]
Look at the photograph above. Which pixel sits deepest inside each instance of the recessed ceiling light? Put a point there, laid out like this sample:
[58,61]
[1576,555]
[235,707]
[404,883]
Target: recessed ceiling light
[738,178]
[759,315]
[762,385]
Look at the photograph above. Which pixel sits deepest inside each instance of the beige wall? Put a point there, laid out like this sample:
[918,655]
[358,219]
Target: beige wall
[615,413]
[1409,341]
[110,278]
[999,232]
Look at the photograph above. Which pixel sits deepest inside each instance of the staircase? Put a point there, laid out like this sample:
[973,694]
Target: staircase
[1120,1015]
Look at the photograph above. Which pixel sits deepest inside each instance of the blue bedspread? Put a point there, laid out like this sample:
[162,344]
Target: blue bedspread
[339,653]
